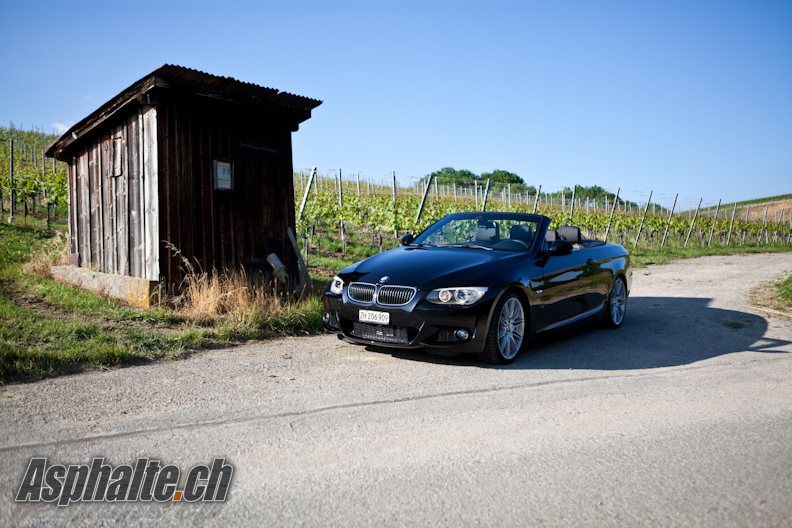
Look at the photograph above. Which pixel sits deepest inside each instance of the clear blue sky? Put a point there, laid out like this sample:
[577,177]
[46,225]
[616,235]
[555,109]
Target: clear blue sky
[676,96]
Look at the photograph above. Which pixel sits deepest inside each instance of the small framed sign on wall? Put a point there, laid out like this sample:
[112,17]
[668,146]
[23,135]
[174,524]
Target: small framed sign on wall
[223,175]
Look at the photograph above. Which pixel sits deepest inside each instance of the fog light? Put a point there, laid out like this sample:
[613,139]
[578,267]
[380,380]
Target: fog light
[461,334]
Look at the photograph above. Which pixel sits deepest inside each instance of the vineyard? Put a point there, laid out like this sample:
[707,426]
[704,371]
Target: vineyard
[367,216]
[374,215]
[30,184]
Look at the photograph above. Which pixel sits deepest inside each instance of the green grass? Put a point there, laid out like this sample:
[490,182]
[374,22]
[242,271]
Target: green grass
[785,292]
[642,257]
[72,329]
[33,345]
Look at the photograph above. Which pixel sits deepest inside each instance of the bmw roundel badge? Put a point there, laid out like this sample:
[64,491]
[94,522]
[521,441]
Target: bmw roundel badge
[384,279]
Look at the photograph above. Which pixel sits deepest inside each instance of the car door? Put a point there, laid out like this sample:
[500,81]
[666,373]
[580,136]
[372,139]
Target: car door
[563,294]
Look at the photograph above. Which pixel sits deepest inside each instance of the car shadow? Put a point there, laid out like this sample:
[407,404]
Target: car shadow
[658,332]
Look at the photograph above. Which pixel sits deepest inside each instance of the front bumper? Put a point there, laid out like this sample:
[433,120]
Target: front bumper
[419,324]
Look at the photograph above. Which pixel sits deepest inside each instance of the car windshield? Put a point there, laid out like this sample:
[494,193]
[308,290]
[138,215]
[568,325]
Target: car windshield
[486,231]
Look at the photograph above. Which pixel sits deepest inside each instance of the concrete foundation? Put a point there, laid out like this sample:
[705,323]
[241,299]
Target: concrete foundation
[139,292]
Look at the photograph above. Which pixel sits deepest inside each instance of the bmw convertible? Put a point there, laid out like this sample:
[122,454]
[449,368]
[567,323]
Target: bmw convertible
[479,282]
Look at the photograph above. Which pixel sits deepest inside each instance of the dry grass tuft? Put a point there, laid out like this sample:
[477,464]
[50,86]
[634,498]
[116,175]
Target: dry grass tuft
[210,296]
[239,309]
[53,253]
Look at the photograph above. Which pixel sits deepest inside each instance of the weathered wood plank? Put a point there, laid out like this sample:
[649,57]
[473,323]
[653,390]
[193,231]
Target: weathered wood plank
[73,202]
[150,180]
[106,205]
[122,210]
[135,198]
[95,201]
[84,223]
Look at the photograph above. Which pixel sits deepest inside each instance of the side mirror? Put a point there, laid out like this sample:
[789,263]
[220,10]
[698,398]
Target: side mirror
[561,247]
[407,239]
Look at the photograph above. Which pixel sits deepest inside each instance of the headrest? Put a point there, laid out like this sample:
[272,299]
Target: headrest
[487,232]
[570,234]
[551,235]
[521,232]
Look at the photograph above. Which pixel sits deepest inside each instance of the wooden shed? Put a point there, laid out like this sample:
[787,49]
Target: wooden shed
[185,158]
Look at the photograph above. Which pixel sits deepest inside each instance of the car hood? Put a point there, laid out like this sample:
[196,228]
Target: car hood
[427,267]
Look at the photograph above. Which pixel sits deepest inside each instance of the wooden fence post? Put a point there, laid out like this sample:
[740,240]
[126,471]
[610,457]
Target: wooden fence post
[615,201]
[308,190]
[536,201]
[341,212]
[423,200]
[764,221]
[395,212]
[668,223]
[642,219]
[693,222]
[11,185]
[728,238]
[712,230]
[572,207]
[484,200]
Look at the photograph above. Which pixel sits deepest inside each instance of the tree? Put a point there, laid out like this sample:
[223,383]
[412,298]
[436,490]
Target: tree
[502,176]
[450,174]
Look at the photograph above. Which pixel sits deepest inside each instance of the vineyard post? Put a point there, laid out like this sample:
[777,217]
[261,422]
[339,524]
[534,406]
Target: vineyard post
[11,185]
[305,195]
[693,222]
[734,211]
[393,175]
[572,207]
[437,195]
[638,236]
[510,196]
[341,211]
[395,212]
[455,196]
[423,200]
[536,201]
[358,183]
[764,221]
[475,191]
[48,216]
[668,224]
[615,201]
[712,230]
[486,194]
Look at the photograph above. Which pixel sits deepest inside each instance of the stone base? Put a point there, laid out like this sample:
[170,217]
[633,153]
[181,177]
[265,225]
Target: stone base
[139,292]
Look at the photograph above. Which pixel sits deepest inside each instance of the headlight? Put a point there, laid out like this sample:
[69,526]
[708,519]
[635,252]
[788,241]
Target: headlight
[337,286]
[457,296]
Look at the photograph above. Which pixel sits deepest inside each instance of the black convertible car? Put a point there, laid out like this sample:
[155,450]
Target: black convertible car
[479,282]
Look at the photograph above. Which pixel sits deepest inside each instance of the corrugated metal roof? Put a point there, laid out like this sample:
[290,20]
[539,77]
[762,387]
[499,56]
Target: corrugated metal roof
[180,78]
[230,84]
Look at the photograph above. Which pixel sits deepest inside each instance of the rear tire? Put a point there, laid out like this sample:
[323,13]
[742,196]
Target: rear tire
[616,307]
[506,331]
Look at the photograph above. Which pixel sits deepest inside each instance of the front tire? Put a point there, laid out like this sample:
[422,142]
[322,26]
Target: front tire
[617,304]
[506,331]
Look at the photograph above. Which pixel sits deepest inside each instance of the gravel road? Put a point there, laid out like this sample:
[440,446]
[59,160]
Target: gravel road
[681,417]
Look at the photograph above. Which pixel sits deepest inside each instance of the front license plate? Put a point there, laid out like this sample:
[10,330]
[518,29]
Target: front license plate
[368,316]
